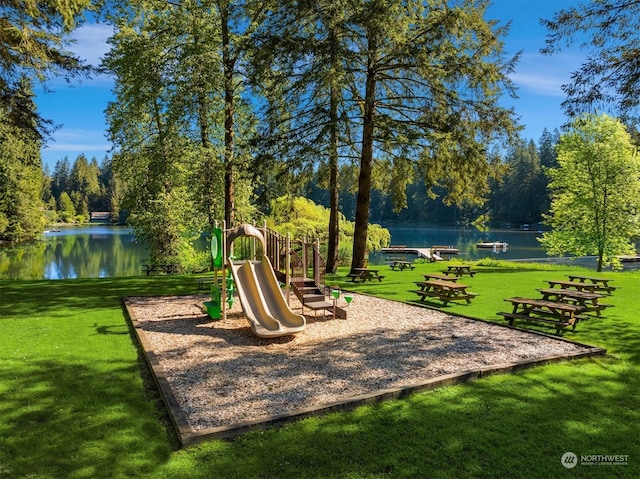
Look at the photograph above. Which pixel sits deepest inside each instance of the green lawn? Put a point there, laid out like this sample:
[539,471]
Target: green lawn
[76,400]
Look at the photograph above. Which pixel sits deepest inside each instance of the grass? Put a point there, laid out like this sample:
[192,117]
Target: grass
[77,400]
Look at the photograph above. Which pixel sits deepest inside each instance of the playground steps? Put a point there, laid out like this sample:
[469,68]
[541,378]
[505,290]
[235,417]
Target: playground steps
[307,291]
[312,297]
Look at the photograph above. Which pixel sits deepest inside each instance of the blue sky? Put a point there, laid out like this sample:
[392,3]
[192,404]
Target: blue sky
[79,108]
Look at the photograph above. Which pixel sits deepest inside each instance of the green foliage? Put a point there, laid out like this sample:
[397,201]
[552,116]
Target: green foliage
[520,196]
[21,215]
[302,218]
[595,205]
[608,79]
[66,207]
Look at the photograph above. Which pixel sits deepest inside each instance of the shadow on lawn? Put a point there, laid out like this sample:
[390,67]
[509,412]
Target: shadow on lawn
[506,426]
[77,420]
[26,298]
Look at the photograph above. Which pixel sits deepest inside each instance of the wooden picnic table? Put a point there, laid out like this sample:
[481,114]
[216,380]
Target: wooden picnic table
[602,284]
[445,291]
[459,270]
[401,265]
[157,268]
[364,274]
[589,301]
[444,277]
[561,315]
[589,287]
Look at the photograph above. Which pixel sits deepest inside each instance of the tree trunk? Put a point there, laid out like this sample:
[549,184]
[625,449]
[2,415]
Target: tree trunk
[366,162]
[228,62]
[334,207]
[600,255]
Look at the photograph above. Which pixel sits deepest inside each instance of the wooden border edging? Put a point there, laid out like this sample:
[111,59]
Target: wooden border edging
[188,437]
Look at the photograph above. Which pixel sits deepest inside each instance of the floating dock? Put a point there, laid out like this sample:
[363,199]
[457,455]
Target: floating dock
[629,259]
[432,254]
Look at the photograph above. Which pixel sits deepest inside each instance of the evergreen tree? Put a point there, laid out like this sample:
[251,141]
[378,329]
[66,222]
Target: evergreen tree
[84,185]
[608,80]
[428,78]
[299,63]
[21,215]
[66,208]
[519,199]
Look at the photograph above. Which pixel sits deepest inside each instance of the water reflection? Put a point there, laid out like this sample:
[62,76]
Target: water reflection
[522,245]
[86,252]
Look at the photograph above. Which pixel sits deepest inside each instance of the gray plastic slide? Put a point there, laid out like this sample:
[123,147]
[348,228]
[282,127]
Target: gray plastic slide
[262,300]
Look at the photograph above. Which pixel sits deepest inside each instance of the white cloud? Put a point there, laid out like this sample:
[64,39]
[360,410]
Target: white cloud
[544,75]
[540,84]
[54,146]
[70,139]
[91,42]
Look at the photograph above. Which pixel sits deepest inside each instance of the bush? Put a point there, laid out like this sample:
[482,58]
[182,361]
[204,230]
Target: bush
[302,218]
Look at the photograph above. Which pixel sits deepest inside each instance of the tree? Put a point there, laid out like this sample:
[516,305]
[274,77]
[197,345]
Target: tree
[21,216]
[32,41]
[428,79]
[66,208]
[520,197]
[300,69]
[178,118]
[609,76]
[84,185]
[595,207]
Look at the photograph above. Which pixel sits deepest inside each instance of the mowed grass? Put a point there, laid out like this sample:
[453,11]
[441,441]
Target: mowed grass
[77,401]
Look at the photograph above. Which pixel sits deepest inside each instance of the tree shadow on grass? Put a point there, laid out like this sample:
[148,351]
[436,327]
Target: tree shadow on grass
[58,298]
[73,419]
[507,426]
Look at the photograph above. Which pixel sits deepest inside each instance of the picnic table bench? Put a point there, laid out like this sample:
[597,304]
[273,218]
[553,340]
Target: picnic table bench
[157,268]
[444,277]
[589,301]
[364,274]
[459,270]
[445,291]
[401,265]
[589,287]
[561,315]
[602,284]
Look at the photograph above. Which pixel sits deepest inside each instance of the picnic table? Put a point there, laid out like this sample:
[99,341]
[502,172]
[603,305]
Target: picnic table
[459,270]
[444,277]
[445,291]
[589,287]
[561,315]
[364,274]
[589,301]
[602,284]
[157,268]
[401,264]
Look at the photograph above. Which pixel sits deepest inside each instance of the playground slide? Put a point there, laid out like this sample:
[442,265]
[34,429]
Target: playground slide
[262,300]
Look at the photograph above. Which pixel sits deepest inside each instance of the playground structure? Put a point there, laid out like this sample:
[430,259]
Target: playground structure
[296,264]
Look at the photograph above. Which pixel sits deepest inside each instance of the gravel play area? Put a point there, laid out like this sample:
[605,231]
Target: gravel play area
[221,374]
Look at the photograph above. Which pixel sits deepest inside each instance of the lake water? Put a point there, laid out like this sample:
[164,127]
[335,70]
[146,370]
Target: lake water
[97,251]
[522,245]
[92,251]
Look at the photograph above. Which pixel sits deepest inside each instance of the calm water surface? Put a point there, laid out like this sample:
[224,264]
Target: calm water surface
[75,252]
[522,245]
[107,251]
